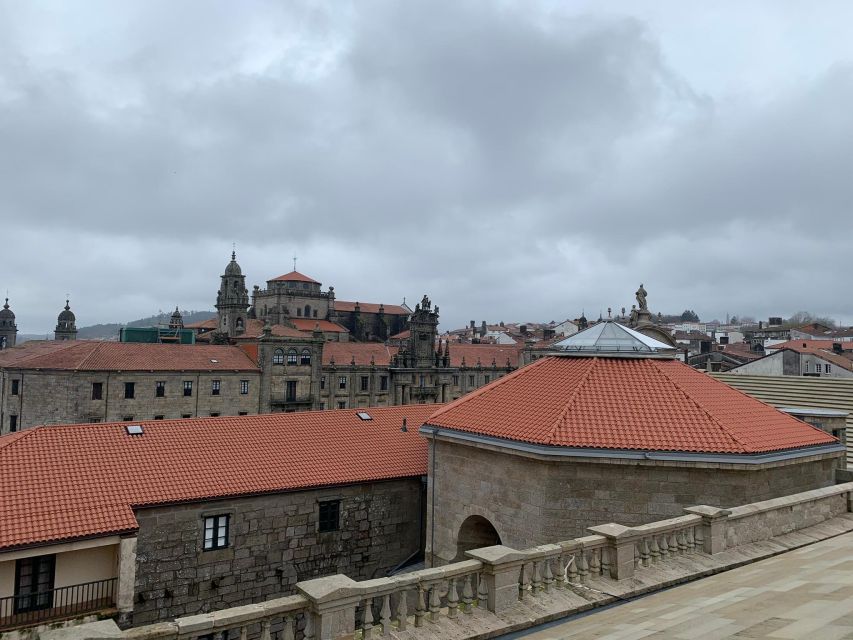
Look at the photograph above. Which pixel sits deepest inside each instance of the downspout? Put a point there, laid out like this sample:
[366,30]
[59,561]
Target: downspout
[432,516]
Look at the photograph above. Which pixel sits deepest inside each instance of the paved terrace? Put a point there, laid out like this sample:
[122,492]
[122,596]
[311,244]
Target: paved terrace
[804,593]
[500,590]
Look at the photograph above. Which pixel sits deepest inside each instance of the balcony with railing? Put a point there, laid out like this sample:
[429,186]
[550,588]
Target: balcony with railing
[61,603]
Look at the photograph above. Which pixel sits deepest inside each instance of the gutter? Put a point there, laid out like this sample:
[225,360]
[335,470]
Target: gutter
[555,452]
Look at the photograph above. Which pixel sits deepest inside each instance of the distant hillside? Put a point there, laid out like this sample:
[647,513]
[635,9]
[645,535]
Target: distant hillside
[109,331]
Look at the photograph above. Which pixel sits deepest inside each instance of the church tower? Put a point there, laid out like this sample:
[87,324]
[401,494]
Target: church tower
[423,325]
[232,300]
[66,325]
[8,328]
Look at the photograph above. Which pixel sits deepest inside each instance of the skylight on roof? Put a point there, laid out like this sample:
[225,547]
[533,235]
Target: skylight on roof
[214,361]
[134,429]
[364,415]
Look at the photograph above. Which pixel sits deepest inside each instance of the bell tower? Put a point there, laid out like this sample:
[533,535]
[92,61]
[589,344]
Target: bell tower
[8,328]
[423,325]
[66,324]
[232,300]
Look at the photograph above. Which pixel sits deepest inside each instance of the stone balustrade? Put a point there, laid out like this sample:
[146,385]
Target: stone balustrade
[497,581]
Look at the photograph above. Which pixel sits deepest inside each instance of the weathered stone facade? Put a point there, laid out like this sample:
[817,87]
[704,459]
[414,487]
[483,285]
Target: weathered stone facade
[33,397]
[273,543]
[530,500]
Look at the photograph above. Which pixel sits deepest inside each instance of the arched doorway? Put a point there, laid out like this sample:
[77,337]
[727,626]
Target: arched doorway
[475,532]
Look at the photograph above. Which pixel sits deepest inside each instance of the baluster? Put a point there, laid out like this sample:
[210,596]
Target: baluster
[367,624]
[595,565]
[654,549]
[467,594]
[673,544]
[482,592]
[452,599]
[699,538]
[537,578]
[288,633]
[583,566]
[691,543]
[637,554]
[308,631]
[244,634]
[560,578]
[385,614]
[605,562]
[572,569]
[403,612]
[645,554]
[265,629]
[434,603]
[549,577]
[420,607]
[682,542]
[664,547]
[523,582]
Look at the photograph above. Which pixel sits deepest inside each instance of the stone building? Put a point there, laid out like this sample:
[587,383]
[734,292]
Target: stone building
[164,519]
[8,328]
[66,325]
[608,432]
[49,382]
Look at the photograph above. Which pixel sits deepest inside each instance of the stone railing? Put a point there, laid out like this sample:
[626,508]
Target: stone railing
[495,580]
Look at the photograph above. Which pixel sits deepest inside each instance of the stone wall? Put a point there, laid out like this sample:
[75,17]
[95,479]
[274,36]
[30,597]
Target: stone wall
[54,397]
[531,501]
[274,542]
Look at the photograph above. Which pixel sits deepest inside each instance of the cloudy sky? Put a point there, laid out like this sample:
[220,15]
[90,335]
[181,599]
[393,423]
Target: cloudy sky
[517,161]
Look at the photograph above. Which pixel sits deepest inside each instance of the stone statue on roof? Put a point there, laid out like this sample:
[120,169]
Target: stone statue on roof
[641,298]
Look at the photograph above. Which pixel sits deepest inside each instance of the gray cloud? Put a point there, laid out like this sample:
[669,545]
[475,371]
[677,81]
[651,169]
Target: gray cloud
[516,162]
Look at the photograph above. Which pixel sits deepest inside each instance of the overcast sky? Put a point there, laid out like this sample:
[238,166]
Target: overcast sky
[516,161]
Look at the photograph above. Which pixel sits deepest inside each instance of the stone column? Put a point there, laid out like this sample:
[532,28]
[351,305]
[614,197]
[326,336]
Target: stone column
[126,579]
[501,570]
[714,525]
[333,601]
[620,546]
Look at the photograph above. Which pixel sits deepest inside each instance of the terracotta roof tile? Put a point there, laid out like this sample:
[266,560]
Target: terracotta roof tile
[76,481]
[294,276]
[90,355]
[611,403]
[344,352]
[308,324]
[485,354]
[370,307]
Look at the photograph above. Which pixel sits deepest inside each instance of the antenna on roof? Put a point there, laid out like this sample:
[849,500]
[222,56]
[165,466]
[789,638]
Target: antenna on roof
[294,263]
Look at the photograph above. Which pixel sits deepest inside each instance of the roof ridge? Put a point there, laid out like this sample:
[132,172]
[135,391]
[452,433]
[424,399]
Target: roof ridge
[13,438]
[574,396]
[63,346]
[492,385]
[700,406]
[91,354]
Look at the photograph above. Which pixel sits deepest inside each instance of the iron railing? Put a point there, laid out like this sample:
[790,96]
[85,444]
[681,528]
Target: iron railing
[26,609]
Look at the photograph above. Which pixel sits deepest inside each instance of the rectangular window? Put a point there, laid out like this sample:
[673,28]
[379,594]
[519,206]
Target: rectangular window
[214,415]
[129,390]
[242,413]
[160,389]
[215,385]
[188,388]
[383,383]
[244,387]
[470,381]
[455,381]
[127,418]
[216,532]
[342,382]
[806,367]
[486,379]
[292,358]
[342,404]
[290,391]
[16,387]
[97,390]
[365,382]
[34,583]
[159,417]
[186,415]
[322,382]
[330,516]
[13,423]
[826,368]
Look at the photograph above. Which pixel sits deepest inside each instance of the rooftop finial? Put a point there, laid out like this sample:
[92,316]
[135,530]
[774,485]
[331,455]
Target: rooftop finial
[67,298]
[233,251]
[6,306]
[294,263]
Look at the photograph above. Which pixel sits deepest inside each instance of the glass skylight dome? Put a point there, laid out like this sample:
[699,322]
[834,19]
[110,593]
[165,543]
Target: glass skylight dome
[612,337]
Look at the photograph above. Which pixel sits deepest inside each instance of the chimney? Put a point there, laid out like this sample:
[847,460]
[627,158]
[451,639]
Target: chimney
[483,329]
[837,348]
[473,325]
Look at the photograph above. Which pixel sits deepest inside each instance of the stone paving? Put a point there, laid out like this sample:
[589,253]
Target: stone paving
[805,593]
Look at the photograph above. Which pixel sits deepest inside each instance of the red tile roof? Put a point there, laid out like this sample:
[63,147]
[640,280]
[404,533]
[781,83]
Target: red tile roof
[344,352]
[810,344]
[484,353]
[90,355]
[308,324]
[369,307]
[294,276]
[611,403]
[76,481]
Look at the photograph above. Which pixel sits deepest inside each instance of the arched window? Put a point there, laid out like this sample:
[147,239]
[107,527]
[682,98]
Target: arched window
[306,357]
[278,356]
[239,323]
[291,357]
